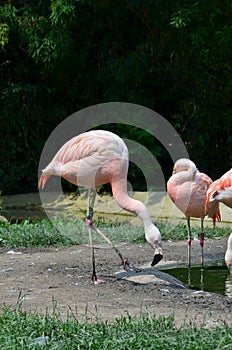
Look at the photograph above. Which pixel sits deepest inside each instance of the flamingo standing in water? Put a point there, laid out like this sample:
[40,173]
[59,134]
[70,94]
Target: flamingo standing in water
[221,191]
[94,158]
[187,189]
[228,255]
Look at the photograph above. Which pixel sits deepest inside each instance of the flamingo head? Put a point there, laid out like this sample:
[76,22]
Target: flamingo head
[215,196]
[153,237]
[184,164]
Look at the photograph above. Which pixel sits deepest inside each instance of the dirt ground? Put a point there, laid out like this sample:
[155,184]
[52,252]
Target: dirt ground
[44,279]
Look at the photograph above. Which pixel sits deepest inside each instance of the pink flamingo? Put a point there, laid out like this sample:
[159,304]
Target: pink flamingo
[228,255]
[221,191]
[94,158]
[187,189]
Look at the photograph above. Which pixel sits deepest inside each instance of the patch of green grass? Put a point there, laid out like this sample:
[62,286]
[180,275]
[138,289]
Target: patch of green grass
[38,234]
[62,233]
[68,232]
[20,330]
[179,232]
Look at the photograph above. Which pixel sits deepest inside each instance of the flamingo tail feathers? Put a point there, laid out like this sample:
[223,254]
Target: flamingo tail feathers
[216,216]
[42,180]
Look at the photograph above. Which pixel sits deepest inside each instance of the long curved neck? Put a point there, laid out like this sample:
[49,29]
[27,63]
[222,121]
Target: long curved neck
[152,234]
[119,189]
[187,175]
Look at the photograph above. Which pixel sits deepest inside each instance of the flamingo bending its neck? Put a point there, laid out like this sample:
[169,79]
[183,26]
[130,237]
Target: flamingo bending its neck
[92,159]
[221,191]
[187,189]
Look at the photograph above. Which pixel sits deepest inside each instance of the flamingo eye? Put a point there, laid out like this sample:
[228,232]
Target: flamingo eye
[215,194]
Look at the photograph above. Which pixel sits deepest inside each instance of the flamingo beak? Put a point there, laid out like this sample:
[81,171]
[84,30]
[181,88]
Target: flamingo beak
[157,257]
[214,195]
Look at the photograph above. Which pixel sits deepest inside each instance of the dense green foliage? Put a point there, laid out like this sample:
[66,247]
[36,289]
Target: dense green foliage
[60,56]
[20,330]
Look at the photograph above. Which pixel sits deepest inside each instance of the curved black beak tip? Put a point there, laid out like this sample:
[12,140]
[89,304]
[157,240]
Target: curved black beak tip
[156,259]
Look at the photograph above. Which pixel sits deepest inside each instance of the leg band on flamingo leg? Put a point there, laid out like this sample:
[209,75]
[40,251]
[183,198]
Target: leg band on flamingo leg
[88,221]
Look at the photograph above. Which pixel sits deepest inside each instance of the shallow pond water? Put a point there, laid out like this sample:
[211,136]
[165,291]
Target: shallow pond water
[215,278]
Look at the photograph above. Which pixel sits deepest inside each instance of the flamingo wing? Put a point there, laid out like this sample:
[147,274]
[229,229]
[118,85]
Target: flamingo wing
[87,159]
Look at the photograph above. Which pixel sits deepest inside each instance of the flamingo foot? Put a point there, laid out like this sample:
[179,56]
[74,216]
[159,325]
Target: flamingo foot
[156,259]
[129,266]
[96,280]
